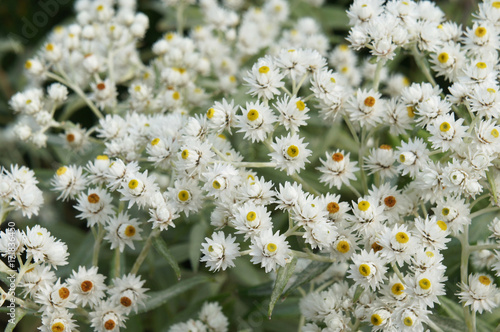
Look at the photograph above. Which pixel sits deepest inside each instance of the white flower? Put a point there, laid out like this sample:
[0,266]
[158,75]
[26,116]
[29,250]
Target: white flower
[211,314]
[432,233]
[55,297]
[481,293]
[221,179]
[290,153]
[69,181]
[368,269]
[251,220]
[122,230]
[221,116]
[264,79]
[337,169]
[293,113]
[413,157]
[365,108]
[427,286]
[98,169]
[398,244]
[270,250]
[59,320]
[87,286]
[95,206]
[446,132]
[220,251]
[127,292]
[41,246]
[138,188]
[256,122]
[186,196]
[39,277]
[107,317]
[381,161]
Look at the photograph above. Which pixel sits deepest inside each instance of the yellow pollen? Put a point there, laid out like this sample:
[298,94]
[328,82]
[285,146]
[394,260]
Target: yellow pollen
[39,233]
[408,321]
[364,270]
[490,90]
[397,288]
[364,5]
[344,47]
[216,184]
[333,207]
[480,32]
[442,225]
[410,111]
[57,327]
[424,283]
[102,157]
[93,198]
[221,136]
[406,81]
[155,141]
[250,176]
[28,64]
[390,201]
[137,88]
[496,4]
[264,69]
[253,115]
[429,254]
[484,280]
[129,231]
[183,195]
[337,156]
[169,36]
[292,151]
[369,101]
[28,101]
[49,47]
[271,247]
[300,105]
[133,184]
[100,7]
[86,286]
[251,216]
[363,205]
[444,127]
[185,154]
[440,26]
[332,79]
[443,57]
[176,95]
[210,113]
[210,249]
[402,158]
[232,79]
[344,69]
[481,65]
[445,211]
[343,246]
[376,319]
[291,50]
[63,293]
[402,237]
[61,170]
[385,147]
[494,132]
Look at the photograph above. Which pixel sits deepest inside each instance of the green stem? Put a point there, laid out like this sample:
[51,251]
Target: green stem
[493,187]
[464,265]
[486,246]
[398,273]
[306,185]
[378,70]
[297,88]
[144,252]
[422,64]
[351,129]
[311,256]
[117,273]
[361,153]
[180,18]
[97,244]
[483,211]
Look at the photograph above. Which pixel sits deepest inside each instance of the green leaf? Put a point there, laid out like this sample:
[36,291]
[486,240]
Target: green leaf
[156,299]
[312,270]
[447,323]
[453,309]
[284,274]
[18,316]
[161,248]
[195,239]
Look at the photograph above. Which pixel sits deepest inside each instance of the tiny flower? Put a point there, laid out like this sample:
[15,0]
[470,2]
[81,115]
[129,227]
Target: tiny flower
[220,251]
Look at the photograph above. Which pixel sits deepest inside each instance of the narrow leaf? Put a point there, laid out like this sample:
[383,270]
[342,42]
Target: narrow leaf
[19,314]
[195,239]
[161,248]
[156,299]
[312,270]
[284,274]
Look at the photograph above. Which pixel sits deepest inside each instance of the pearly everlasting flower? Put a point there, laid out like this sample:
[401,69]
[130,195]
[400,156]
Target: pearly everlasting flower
[211,314]
[447,133]
[412,157]
[381,161]
[256,121]
[269,250]
[87,286]
[264,79]
[251,220]
[55,297]
[366,108]
[368,269]
[41,246]
[292,113]
[337,169]
[107,317]
[60,320]
[222,116]
[128,292]
[122,230]
[425,287]
[481,293]
[185,196]
[290,153]
[69,181]
[220,251]
[138,188]
[398,244]
[95,206]
[432,233]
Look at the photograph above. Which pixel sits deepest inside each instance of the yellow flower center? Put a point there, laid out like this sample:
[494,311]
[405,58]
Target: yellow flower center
[210,113]
[481,65]
[494,132]
[424,283]
[491,90]
[385,147]
[443,57]
[183,195]
[496,4]
[429,254]
[402,237]
[252,115]
[232,79]
[271,247]
[93,198]
[397,288]
[444,127]
[343,246]
[264,69]
[332,79]
[49,47]
[480,32]
[251,216]
[28,64]
[408,321]
[410,111]
[63,293]
[133,184]
[369,101]
[129,231]
[364,270]
[176,95]
[155,141]
[363,205]
[337,156]
[292,151]
[61,170]
[442,225]
[402,158]
[300,105]
[216,184]
[86,286]
[185,154]
[57,327]
[210,249]
[102,157]
[109,324]
[100,7]
[376,319]
[445,211]
[484,280]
